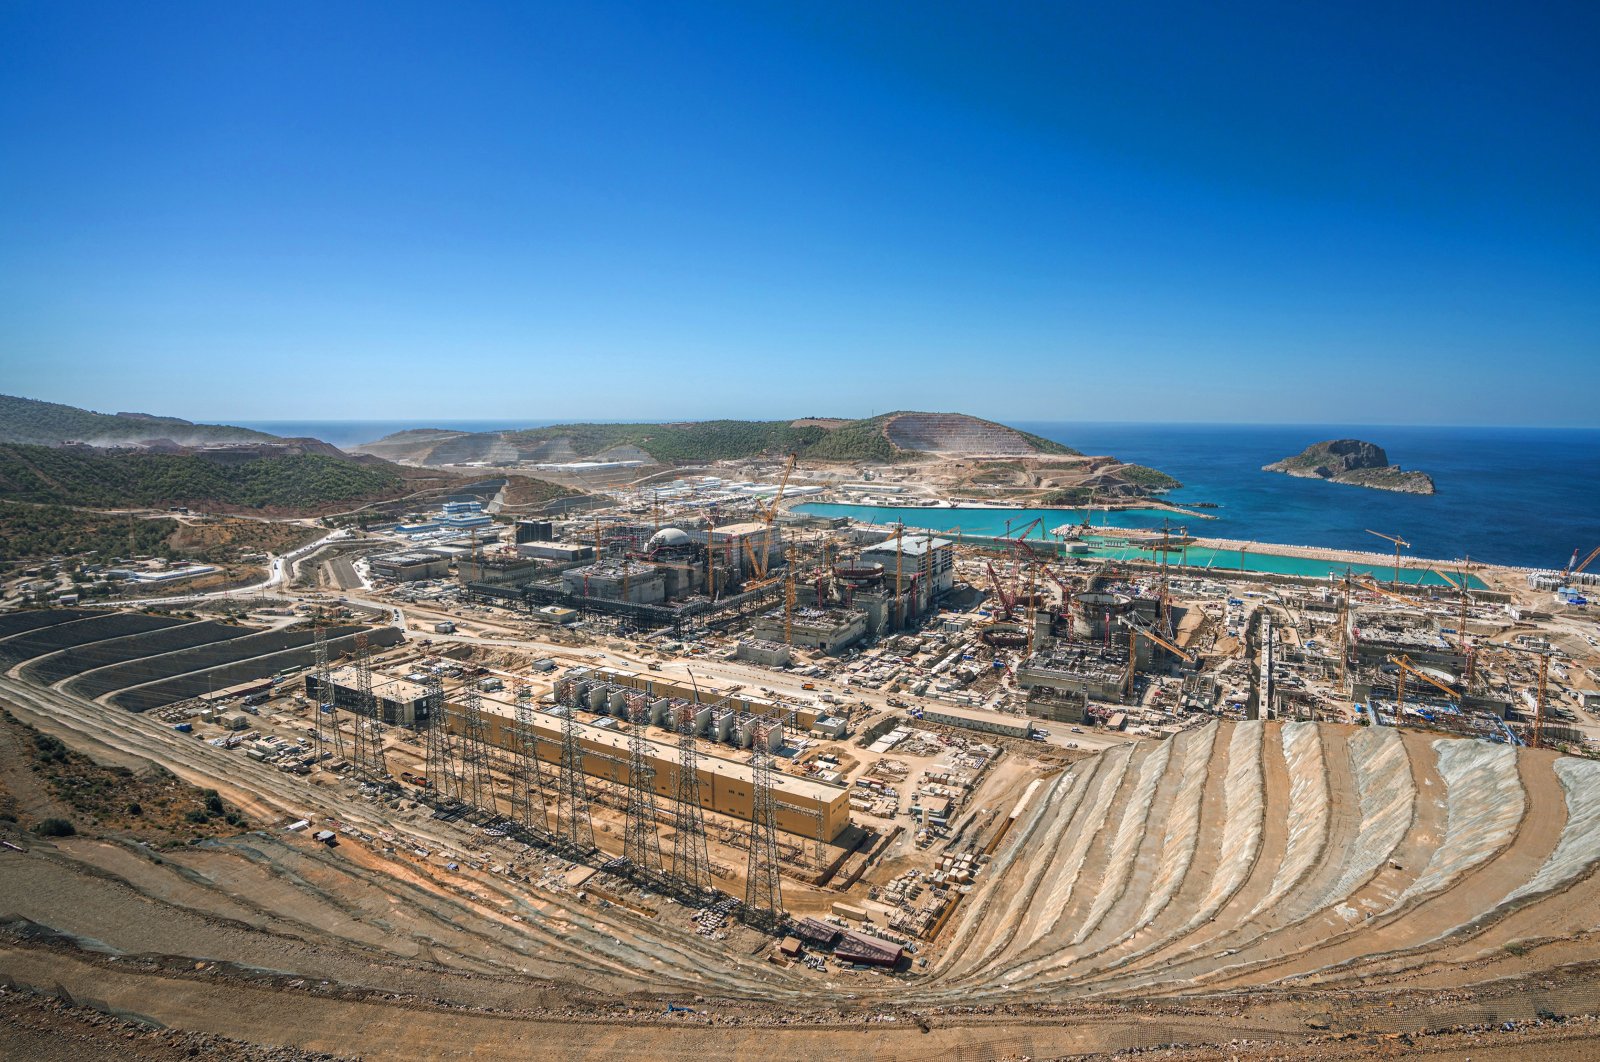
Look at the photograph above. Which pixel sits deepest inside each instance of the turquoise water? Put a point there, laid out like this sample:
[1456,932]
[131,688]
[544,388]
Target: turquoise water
[1002,521]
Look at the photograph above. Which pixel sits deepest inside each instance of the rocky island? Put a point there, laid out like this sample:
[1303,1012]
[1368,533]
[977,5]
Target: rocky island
[1355,463]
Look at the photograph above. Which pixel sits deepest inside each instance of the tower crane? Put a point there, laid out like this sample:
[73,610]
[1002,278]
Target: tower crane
[788,601]
[770,515]
[1398,544]
[1544,656]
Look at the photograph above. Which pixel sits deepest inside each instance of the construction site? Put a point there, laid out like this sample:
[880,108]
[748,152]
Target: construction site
[698,769]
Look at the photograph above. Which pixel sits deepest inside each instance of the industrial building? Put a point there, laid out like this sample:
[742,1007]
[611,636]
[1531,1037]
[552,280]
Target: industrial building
[400,702]
[828,630]
[556,552]
[763,652]
[411,566]
[1375,637]
[623,580]
[500,567]
[803,806]
[978,719]
[931,561]
[1061,678]
[533,531]
[795,716]
[740,545]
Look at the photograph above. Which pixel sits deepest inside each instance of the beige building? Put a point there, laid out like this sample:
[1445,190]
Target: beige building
[804,807]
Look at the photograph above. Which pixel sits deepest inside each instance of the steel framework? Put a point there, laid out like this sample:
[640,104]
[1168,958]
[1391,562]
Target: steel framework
[527,775]
[477,783]
[641,842]
[763,889]
[368,754]
[573,824]
[691,863]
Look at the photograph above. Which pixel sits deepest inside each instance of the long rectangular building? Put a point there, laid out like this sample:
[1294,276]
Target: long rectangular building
[804,807]
[797,716]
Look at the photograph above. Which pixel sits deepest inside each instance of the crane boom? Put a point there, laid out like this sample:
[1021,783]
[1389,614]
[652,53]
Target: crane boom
[771,515]
[1399,543]
[1577,568]
[1404,663]
[1146,632]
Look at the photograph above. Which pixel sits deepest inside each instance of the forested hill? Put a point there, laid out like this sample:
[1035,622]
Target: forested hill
[28,420]
[302,483]
[890,437]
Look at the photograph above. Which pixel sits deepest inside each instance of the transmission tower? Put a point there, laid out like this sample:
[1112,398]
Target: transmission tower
[572,797]
[641,843]
[763,888]
[691,864]
[527,775]
[368,755]
[327,719]
[477,783]
[438,749]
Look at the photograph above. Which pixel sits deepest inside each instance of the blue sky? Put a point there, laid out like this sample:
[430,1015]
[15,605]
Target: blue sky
[1363,214]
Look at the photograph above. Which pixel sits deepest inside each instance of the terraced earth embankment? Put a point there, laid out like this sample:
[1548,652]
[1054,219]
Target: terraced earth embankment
[1244,855]
[1233,883]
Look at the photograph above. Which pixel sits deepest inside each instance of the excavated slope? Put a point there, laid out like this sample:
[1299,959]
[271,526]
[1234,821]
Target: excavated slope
[1248,854]
[956,433]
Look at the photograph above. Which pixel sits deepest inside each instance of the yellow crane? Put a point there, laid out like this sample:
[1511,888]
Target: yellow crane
[1406,666]
[1134,633]
[788,601]
[1398,544]
[771,515]
[1369,584]
[1544,656]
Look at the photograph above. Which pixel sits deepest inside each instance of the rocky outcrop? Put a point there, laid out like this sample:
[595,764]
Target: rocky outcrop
[1355,463]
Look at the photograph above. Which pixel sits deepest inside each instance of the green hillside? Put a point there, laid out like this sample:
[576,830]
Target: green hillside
[27,420]
[308,483]
[678,443]
[709,440]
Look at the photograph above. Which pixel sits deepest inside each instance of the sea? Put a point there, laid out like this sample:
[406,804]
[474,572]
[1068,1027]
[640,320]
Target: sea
[1526,497]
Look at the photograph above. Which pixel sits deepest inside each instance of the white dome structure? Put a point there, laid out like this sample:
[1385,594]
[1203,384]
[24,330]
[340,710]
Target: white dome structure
[668,538]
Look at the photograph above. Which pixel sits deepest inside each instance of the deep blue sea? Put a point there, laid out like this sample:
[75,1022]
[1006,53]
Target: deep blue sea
[1521,496]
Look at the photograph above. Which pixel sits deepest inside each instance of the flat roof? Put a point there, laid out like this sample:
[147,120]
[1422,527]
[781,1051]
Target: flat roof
[976,715]
[751,527]
[386,686]
[910,544]
[618,740]
[417,557]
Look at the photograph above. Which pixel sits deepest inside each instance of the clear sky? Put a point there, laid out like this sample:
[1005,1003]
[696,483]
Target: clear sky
[1345,213]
